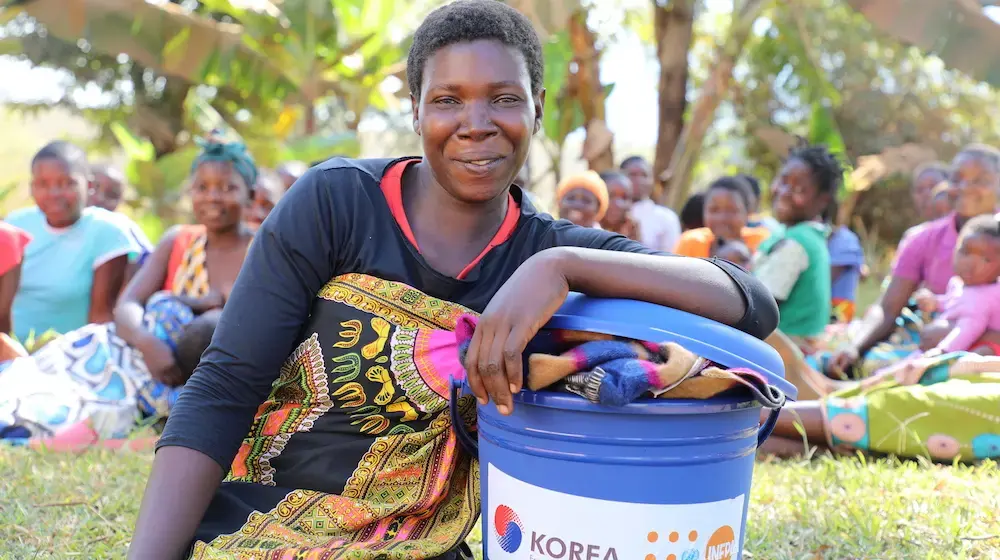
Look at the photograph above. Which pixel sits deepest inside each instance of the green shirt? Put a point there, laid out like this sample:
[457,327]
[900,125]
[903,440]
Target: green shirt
[795,266]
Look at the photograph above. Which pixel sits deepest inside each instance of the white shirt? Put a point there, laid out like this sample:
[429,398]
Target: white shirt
[659,227]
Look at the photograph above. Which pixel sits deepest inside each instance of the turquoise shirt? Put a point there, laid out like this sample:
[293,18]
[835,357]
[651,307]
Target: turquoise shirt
[58,270]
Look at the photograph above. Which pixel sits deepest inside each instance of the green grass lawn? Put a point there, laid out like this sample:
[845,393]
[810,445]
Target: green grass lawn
[65,506]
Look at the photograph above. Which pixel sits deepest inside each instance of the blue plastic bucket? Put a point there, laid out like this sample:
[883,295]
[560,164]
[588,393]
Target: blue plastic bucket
[565,479]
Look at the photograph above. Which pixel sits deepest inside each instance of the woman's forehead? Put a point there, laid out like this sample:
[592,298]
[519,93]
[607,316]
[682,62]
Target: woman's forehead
[972,163]
[476,65]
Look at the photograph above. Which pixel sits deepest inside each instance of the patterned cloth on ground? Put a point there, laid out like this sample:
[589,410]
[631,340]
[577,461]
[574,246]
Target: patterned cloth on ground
[943,417]
[89,374]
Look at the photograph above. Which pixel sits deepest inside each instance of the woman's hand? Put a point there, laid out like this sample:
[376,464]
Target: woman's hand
[932,335]
[907,372]
[926,300]
[843,360]
[518,310]
[160,362]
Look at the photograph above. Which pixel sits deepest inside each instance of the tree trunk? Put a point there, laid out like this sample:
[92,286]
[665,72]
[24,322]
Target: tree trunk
[585,84]
[674,27]
[702,115]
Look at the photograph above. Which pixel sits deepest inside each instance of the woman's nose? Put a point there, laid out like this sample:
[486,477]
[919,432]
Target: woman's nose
[477,122]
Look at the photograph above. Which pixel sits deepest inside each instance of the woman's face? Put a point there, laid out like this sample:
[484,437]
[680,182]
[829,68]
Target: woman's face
[105,192]
[59,193]
[579,206]
[265,195]
[641,175]
[796,197]
[940,206]
[975,184]
[921,190]
[476,115]
[218,196]
[619,200]
[725,213]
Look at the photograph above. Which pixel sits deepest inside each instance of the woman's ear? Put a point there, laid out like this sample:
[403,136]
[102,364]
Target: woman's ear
[415,105]
[539,110]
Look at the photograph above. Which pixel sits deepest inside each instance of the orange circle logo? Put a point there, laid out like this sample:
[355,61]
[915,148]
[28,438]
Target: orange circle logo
[721,545]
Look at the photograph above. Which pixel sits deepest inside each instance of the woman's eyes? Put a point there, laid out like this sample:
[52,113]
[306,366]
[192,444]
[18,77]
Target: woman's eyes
[503,99]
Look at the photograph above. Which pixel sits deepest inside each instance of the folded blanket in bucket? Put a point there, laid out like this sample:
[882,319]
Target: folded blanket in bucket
[616,371]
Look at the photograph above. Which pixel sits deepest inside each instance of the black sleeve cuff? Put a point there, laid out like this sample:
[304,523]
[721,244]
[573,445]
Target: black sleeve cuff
[761,317]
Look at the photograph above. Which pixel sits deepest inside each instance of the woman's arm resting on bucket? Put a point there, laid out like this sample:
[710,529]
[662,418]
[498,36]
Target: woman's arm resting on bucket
[710,288]
[295,252]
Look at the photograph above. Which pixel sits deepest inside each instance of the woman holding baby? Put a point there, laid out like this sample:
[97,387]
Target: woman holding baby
[927,258]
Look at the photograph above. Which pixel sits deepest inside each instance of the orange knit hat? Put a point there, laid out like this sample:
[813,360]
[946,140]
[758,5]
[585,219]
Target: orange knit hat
[590,181]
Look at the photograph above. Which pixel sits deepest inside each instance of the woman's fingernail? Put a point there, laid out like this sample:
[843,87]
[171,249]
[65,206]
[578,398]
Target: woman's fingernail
[482,401]
[503,409]
[513,388]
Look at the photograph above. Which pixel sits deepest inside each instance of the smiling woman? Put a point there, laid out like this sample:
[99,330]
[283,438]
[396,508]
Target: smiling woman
[75,265]
[365,267]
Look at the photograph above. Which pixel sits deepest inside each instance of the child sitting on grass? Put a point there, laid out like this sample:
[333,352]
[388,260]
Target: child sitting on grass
[971,306]
[89,385]
[794,263]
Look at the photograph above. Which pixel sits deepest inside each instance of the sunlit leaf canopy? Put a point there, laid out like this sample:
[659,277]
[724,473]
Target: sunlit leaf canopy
[288,50]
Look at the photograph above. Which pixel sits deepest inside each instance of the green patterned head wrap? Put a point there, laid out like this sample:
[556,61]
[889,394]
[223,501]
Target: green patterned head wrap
[234,153]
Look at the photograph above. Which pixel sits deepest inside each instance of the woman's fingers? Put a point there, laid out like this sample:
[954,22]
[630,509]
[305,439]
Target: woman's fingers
[491,367]
[513,360]
[472,376]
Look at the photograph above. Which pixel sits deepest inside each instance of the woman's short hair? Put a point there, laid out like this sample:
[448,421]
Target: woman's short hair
[465,21]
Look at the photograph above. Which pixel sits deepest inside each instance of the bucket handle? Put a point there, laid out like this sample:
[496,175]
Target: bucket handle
[471,445]
[465,439]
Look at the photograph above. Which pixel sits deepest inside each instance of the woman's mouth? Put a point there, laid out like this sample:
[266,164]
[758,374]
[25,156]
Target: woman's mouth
[480,166]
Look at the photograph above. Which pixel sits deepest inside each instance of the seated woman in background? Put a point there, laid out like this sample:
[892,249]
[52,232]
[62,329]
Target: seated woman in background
[12,245]
[795,262]
[198,261]
[620,197]
[266,193]
[925,258]
[89,387]
[925,179]
[582,198]
[106,191]
[727,205]
[75,265]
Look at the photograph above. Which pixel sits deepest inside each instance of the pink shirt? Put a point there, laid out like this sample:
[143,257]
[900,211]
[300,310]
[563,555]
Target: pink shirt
[972,310]
[927,253]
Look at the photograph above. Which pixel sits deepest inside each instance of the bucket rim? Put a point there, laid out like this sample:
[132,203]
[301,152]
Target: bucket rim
[569,401]
[639,320]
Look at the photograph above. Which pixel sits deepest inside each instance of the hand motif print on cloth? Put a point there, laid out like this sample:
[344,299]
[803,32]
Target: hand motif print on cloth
[297,399]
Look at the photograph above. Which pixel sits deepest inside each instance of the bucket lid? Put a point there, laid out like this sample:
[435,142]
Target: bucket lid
[640,320]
